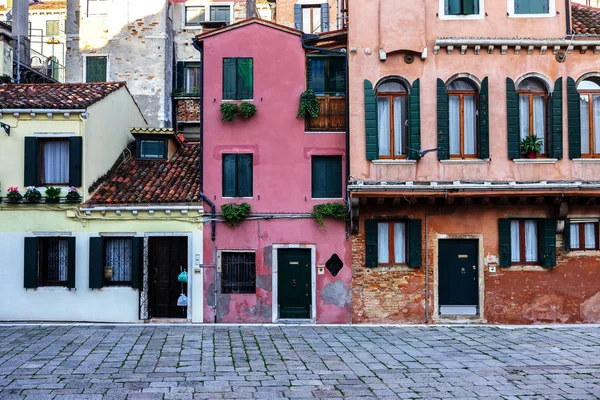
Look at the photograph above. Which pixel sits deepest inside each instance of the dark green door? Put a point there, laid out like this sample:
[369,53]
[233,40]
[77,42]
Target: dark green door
[294,283]
[458,283]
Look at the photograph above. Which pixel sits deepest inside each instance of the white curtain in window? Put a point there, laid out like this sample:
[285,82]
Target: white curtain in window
[454,106]
[56,162]
[399,243]
[523,116]
[584,102]
[590,235]
[383,253]
[383,111]
[539,119]
[470,125]
[515,243]
[574,236]
[399,126]
[596,105]
[118,256]
[531,245]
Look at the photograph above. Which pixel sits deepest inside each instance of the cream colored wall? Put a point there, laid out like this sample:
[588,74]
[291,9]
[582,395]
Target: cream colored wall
[107,133]
[12,148]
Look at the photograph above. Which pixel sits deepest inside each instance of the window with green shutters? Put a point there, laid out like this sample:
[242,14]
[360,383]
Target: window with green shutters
[114,261]
[393,242]
[532,6]
[527,242]
[238,78]
[461,7]
[326,177]
[49,261]
[53,161]
[237,175]
[96,68]
[52,28]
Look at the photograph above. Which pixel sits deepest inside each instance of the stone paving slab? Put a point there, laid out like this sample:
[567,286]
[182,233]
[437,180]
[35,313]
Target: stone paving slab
[298,362]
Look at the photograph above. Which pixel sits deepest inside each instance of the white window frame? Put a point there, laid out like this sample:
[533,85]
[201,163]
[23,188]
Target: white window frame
[443,16]
[584,220]
[85,56]
[207,4]
[510,6]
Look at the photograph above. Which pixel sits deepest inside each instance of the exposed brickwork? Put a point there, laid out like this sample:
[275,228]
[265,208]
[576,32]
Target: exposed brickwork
[188,110]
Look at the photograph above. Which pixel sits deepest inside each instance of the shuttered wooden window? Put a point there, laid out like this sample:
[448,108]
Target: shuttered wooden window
[461,7]
[49,261]
[237,175]
[457,120]
[589,123]
[532,6]
[53,161]
[393,242]
[392,114]
[96,68]
[527,241]
[574,119]
[414,120]
[533,111]
[326,177]
[238,78]
[114,261]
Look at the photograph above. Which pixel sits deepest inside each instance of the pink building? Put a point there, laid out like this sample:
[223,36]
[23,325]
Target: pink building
[278,263]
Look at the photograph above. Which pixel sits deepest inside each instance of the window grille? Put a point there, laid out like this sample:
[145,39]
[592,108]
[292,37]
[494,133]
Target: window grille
[53,261]
[238,273]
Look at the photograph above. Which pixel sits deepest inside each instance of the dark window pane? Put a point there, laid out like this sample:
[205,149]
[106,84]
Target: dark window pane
[238,273]
[245,81]
[229,79]
[316,75]
[327,177]
[237,175]
[53,261]
[152,149]
[220,13]
[95,69]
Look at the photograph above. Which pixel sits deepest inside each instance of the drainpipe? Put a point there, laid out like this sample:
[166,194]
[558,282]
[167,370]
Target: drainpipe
[213,212]
[568,16]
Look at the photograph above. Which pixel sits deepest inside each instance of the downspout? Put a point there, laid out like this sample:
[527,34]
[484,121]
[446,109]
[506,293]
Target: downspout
[568,16]
[213,212]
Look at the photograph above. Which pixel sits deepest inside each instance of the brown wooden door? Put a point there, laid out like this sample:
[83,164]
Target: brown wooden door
[167,257]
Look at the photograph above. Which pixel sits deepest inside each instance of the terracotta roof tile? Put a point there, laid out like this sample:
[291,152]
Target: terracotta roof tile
[586,20]
[153,182]
[64,96]
[49,5]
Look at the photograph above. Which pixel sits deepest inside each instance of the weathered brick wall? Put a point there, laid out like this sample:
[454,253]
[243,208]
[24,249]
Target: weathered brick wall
[188,110]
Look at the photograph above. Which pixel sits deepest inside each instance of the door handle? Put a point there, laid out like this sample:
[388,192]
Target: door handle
[155,274]
[462,271]
[293,283]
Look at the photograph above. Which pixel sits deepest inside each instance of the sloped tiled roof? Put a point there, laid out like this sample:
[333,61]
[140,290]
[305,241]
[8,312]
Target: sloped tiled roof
[586,20]
[152,182]
[46,5]
[63,96]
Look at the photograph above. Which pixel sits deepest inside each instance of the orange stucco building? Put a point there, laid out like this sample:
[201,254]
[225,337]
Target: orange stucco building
[498,221]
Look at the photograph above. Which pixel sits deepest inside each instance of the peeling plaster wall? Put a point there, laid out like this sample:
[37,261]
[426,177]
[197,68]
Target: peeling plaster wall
[568,293]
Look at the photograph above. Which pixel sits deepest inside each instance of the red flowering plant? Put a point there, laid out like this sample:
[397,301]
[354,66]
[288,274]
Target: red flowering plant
[14,195]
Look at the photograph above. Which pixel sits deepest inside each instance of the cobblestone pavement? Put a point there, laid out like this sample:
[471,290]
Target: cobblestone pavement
[185,362]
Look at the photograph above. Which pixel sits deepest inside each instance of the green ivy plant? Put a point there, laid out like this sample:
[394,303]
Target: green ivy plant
[52,192]
[308,105]
[247,109]
[234,213]
[229,111]
[329,210]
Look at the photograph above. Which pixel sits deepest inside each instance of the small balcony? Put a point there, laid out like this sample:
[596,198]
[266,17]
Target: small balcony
[332,115]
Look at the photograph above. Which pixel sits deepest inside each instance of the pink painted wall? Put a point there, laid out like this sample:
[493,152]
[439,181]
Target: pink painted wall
[365,17]
[282,165]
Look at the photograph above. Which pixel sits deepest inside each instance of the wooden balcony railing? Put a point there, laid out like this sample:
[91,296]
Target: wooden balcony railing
[332,115]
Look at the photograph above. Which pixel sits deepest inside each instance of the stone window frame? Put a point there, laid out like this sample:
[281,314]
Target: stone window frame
[442,16]
[206,4]
[510,8]
[84,69]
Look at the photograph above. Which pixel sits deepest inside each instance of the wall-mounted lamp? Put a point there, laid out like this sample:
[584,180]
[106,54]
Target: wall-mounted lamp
[6,128]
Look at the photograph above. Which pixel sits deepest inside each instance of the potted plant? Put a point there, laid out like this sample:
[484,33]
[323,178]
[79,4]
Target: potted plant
[229,111]
[13,195]
[33,195]
[308,105]
[247,109]
[52,195]
[73,195]
[531,146]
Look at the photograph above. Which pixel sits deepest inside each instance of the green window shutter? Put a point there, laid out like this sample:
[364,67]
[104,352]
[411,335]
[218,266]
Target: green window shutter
[136,256]
[574,118]
[180,76]
[504,249]
[484,120]
[567,236]
[71,262]
[371,243]
[371,127]
[556,123]
[333,173]
[454,7]
[95,69]
[244,175]
[32,162]
[298,16]
[538,6]
[97,261]
[547,229]
[31,263]
[512,116]
[229,79]
[245,78]
[443,122]
[522,6]
[229,175]
[469,7]
[415,255]
[318,178]
[414,120]
[75,158]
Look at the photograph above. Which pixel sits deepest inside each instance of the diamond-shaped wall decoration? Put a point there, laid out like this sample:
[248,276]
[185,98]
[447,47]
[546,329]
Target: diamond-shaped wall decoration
[334,264]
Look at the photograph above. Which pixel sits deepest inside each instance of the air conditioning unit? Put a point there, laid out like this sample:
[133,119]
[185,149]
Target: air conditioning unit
[6,60]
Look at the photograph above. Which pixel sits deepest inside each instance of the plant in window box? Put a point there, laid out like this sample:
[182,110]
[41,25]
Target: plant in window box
[234,214]
[308,105]
[229,111]
[73,195]
[33,195]
[247,109]
[329,210]
[531,146]
[13,195]
[52,194]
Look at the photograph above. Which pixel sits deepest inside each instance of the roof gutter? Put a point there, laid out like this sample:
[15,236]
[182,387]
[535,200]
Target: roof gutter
[442,42]
[142,208]
[482,187]
[40,110]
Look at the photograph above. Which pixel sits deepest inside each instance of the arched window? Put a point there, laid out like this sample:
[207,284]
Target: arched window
[589,103]
[462,104]
[533,109]
[392,111]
